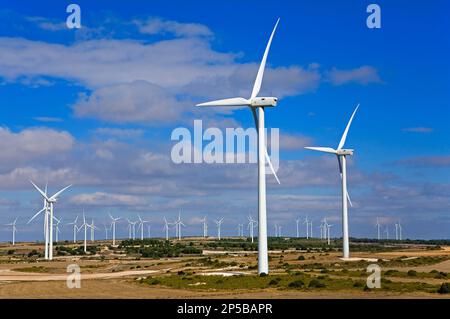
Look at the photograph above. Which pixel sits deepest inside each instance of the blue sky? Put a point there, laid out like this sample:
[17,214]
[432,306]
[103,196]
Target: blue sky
[96,107]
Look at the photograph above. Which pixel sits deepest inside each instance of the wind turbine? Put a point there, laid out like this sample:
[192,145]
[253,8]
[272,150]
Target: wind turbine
[396,231]
[45,209]
[240,228]
[297,221]
[328,226]
[205,227]
[279,230]
[166,227]
[323,229]
[378,226]
[306,222]
[57,230]
[219,224]
[311,229]
[85,226]
[178,223]
[93,229]
[131,229]
[14,230]
[74,223]
[106,231]
[341,155]
[251,224]
[141,226]
[113,225]
[50,201]
[400,230]
[258,104]
[276,230]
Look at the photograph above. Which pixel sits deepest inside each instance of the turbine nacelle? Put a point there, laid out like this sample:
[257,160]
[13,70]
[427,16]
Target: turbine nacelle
[264,102]
[345,152]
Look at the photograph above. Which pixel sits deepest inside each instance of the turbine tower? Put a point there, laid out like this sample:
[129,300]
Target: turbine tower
[341,155]
[50,201]
[14,230]
[257,105]
[378,226]
[297,221]
[113,226]
[328,226]
[178,223]
[396,231]
[205,227]
[400,230]
[141,226]
[251,224]
[74,223]
[219,224]
[85,226]
[57,230]
[46,211]
[166,227]
[306,222]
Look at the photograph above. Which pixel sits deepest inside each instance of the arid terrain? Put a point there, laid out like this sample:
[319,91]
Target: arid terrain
[206,268]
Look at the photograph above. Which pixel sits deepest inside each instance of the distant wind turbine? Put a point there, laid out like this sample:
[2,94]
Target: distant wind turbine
[74,225]
[14,230]
[113,226]
[341,155]
[219,224]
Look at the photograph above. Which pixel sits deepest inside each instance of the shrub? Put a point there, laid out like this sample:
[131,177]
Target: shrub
[315,283]
[296,284]
[154,282]
[358,284]
[274,281]
[412,273]
[301,257]
[444,289]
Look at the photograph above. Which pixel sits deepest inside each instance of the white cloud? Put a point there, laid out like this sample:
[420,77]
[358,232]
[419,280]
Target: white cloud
[362,75]
[105,199]
[138,101]
[161,26]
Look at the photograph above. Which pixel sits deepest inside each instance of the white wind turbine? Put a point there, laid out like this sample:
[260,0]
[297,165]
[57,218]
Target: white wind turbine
[57,230]
[93,229]
[113,226]
[323,228]
[46,211]
[85,226]
[400,230]
[141,226]
[166,227]
[205,227]
[378,226]
[341,155]
[279,230]
[396,231]
[257,104]
[178,223]
[387,231]
[74,225]
[14,230]
[275,227]
[219,224]
[311,229]
[131,229]
[251,224]
[50,201]
[306,222]
[328,226]
[106,231]
[297,221]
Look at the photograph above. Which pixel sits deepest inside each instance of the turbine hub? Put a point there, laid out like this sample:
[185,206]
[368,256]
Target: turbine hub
[345,152]
[264,101]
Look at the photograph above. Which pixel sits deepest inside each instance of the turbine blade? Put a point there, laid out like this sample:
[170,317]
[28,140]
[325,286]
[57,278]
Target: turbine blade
[237,101]
[322,149]
[39,190]
[260,75]
[344,136]
[59,193]
[349,200]
[36,215]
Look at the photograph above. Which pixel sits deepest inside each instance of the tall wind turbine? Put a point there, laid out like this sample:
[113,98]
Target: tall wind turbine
[400,230]
[251,224]
[306,222]
[50,201]
[328,226]
[14,230]
[57,230]
[279,230]
[311,229]
[46,210]
[166,228]
[205,227]
[131,229]
[297,221]
[113,226]
[396,231]
[257,104]
[141,226]
[378,226]
[74,225]
[85,226]
[219,224]
[106,231]
[178,223]
[341,155]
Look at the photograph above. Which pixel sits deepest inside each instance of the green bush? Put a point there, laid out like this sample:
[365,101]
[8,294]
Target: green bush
[412,273]
[296,284]
[301,257]
[444,289]
[315,283]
